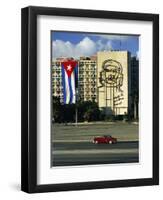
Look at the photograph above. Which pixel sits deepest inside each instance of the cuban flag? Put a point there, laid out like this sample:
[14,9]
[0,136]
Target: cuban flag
[69,80]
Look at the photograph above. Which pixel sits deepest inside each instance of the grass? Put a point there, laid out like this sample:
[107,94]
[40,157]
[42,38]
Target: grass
[122,131]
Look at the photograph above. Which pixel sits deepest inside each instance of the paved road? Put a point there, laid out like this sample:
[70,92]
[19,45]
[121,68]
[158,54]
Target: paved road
[84,153]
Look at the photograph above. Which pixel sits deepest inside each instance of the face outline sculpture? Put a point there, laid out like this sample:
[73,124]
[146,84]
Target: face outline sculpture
[111,74]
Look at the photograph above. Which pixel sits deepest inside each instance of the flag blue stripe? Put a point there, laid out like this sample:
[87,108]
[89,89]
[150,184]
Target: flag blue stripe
[63,84]
[76,75]
[70,86]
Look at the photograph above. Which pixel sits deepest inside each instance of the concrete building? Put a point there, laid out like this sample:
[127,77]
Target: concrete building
[110,78]
[114,82]
[87,84]
[57,88]
[134,88]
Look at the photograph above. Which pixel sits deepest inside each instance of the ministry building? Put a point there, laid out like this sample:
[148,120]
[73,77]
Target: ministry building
[109,78]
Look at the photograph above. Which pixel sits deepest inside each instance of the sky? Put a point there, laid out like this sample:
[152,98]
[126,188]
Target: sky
[76,44]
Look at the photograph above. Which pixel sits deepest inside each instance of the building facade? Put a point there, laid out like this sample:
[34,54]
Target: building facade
[87,83]
[110,78]
[57,88]
[114,82]
[87,79]
[134,88]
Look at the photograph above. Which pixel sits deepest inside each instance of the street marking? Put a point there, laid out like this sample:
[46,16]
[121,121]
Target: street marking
[95,151]
[91,141]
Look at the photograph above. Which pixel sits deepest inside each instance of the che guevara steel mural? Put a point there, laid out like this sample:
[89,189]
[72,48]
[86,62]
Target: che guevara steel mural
[111,76]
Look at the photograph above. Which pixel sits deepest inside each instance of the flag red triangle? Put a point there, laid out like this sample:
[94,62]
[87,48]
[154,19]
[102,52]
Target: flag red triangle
[69,66]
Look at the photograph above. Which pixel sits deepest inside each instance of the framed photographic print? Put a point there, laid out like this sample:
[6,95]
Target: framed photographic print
[90,99]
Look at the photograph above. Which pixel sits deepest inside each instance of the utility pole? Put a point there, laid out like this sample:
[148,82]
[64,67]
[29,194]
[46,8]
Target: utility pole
[76,93]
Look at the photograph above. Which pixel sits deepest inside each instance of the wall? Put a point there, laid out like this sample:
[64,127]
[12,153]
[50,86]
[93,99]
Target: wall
[115,99]
[10,79]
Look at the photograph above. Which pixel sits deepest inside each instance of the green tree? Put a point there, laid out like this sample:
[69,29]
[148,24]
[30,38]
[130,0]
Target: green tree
[64,113]
[90,111]
[57,117]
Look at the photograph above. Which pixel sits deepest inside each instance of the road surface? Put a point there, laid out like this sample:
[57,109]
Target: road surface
[71,153]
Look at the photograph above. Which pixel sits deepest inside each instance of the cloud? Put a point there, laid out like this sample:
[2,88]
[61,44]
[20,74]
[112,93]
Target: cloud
[86,47]
[108,46]
[116,37]
[102,46]
[61,48]
[138,55]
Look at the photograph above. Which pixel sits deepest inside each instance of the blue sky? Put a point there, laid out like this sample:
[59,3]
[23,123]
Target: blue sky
[76,44]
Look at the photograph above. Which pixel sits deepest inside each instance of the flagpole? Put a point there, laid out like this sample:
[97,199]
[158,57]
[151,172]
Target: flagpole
[76,109]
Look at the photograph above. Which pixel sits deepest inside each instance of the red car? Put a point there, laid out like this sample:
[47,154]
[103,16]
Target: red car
[107,139]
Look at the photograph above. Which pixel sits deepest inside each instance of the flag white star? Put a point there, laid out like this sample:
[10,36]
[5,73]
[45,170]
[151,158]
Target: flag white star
[69,67]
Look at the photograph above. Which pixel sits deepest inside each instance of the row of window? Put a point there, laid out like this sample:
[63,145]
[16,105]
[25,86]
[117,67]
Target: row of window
[57,85]
[87,88]
[87,68]
[56,77]
[86,80]
[87,71]
[88,74]
[87,77]
[56,72]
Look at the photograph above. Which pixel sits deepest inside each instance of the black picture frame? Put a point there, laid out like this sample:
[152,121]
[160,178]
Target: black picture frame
[29,99]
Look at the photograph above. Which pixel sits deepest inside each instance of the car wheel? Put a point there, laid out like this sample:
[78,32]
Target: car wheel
[110,142]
